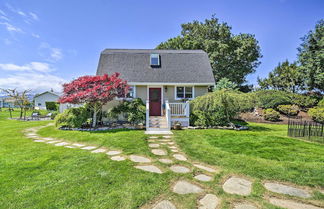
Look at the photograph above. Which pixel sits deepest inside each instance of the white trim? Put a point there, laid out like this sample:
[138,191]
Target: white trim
[184,92]
[162,95]
[169,84]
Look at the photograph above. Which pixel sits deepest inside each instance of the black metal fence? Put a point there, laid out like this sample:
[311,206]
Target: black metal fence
[307,130]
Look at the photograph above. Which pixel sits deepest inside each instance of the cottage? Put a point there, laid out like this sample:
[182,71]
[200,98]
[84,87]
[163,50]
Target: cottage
[165,79]
[47,96]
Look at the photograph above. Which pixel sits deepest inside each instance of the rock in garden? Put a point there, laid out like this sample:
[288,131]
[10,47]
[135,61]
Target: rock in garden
[235,185]
[139,159]
[113,152]
[180,157]
[290,204]
[149,168]
[184,187]
[205,168]
[154,145]
[117,158]
[166,161]
[159,152]
[244,206]
[165,204]
[209,201]
[284,189]
[179,169]
[203,177]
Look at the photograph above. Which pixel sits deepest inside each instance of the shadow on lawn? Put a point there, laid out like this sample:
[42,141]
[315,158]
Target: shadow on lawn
[119,130]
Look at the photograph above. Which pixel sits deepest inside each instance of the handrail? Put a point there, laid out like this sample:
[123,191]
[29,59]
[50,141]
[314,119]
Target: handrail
[168,113]
[147,114]
[180,109]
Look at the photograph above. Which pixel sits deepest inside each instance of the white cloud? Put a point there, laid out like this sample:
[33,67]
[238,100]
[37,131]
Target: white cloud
[27,16]
[35,35]
[2,17]
[2,12]
[10,27]
[33,15]
[32,66]
[50,53]
[37,82]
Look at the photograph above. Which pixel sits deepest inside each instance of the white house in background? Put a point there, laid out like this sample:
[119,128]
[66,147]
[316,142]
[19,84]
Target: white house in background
[47,96]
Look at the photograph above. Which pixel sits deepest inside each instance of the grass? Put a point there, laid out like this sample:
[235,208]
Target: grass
[263,152]
[37,175]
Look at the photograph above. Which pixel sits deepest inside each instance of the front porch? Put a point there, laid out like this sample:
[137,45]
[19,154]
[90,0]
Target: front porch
[170,114]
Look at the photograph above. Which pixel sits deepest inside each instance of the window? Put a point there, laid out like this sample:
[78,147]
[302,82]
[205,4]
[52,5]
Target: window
[39,104]
[131,92]
[155,60]
[184,92]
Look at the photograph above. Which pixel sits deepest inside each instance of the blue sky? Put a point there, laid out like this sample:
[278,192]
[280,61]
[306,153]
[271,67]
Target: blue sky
[46,43]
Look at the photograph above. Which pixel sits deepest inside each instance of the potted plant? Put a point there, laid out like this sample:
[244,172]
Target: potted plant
[177,125]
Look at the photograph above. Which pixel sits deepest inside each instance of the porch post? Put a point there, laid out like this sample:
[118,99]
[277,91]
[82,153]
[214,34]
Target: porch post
[187,109]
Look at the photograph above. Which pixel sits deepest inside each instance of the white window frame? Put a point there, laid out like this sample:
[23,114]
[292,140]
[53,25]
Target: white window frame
[184,93]
[158,56]
[128,98]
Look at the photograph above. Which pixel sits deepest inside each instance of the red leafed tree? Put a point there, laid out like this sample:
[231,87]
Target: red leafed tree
[95,91]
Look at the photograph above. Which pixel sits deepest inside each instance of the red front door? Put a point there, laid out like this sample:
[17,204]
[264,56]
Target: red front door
[155,101]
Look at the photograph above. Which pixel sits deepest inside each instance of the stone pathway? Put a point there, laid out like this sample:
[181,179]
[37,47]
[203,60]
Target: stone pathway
[239,186]
[289,190]
[233,185]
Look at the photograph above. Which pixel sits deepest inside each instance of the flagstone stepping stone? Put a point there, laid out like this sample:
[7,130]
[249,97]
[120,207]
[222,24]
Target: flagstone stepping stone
[52,142]
[235,185]
[209,201]
[149,168]
[184,187]
[284,189]
[171,143]
[152,141]
[118,158]
[139,159]
[205,168]
[203,177]
[166,161]
[154,145]
[180,157]
[89,148]
[100,150]
[113,152]
[290,204]
[62,144]
[47,139]
[153,137]
[78,145]
[165,204]
[159,152]
[179,169]
[167,137]
[163,143]
[172,147]
[244,206]
[69,146]
[39,140]
[174,150]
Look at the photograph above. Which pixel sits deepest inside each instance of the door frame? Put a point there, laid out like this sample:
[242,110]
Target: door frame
[148,95]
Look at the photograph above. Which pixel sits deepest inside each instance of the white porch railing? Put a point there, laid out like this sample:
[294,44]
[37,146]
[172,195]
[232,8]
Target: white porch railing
[168,113]
[147,114]
[180,109]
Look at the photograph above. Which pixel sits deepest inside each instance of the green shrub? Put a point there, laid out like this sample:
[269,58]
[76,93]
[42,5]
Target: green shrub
[271,115]
[73,118]
[216,108]
[272,98]
[134,110]
[303,101]
[54,114]
[290,110]
[52,106]
[317,114]
[321,103]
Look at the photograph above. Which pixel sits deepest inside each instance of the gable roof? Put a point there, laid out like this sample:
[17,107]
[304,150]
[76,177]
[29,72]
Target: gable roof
[177,66]
[51,92]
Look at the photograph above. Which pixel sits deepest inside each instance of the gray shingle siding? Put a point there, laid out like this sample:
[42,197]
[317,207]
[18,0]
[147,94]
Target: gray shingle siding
[177,66]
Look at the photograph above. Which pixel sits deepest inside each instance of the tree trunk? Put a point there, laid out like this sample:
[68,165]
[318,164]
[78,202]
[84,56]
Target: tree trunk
[94,118]
[21,113]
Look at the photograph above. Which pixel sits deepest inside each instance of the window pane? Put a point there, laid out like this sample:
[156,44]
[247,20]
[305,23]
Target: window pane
[180,92]
[188,92]
[130,93]
[155,59]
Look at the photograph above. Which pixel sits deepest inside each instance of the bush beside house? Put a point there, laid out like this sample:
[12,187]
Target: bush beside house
[271,115]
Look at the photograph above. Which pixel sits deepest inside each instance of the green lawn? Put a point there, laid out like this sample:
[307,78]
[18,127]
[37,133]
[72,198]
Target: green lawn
[263,152]
[38,175]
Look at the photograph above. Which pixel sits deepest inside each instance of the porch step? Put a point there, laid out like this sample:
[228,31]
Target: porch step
[158,122]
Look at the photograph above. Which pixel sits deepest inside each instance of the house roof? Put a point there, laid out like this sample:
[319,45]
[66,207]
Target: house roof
[51,92]
[177,66]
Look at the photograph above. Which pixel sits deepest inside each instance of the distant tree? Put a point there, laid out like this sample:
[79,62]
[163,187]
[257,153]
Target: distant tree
[94,91]
[231,56]
[286,77]
[311,58]
[226,84]
[20,98]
